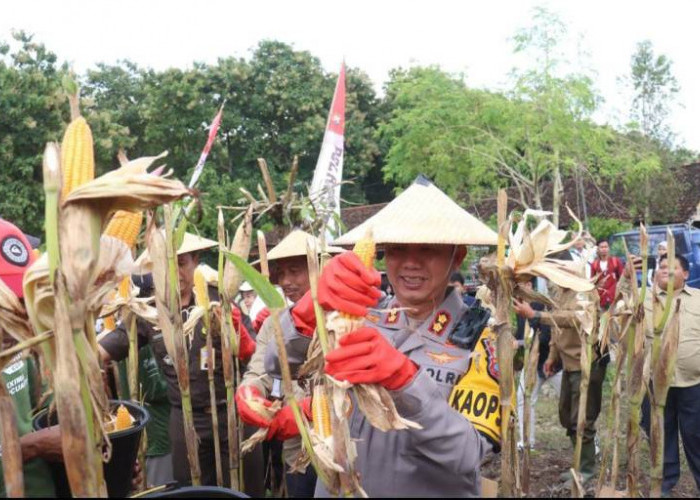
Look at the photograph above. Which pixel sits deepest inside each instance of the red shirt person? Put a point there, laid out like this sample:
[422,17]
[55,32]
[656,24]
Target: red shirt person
[606,271]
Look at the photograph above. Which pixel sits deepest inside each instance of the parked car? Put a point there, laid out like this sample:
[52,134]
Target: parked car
[686,237]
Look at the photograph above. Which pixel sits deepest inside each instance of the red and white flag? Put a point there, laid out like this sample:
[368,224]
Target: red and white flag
[325,186]
[213,129]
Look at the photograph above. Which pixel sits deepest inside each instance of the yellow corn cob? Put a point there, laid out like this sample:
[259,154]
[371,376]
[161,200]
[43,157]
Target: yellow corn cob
[123,419]
[77,156]
[366,249]
[125,226]
[321,412]
[109,323]
[201,291]
[125,287]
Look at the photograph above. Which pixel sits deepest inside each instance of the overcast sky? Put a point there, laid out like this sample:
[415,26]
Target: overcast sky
[461,36]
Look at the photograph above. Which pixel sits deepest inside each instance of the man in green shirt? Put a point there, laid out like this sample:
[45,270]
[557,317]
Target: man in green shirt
[154,391]
[20,378]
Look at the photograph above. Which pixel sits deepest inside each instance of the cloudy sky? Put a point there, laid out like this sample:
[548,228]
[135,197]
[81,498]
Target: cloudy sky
[461,36]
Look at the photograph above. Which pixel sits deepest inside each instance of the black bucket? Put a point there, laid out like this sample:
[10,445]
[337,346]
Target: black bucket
[197,492]
[119,470]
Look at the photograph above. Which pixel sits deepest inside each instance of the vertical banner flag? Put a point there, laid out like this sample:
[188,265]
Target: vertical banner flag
[325,186]
[213,129]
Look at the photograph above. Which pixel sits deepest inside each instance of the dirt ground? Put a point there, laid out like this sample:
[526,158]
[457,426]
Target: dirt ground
[553,453]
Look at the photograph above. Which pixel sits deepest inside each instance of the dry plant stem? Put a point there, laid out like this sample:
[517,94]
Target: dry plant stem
[214,409]
[27,344]
[503,297]
[272,195]
[635,369]
[288,389]
[181,356]
[659,365]
[133,360]
[587,341]
[531,357]
[69,385]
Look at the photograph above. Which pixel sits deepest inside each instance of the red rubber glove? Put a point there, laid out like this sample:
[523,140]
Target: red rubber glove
[247,344]
[346,285]
[260,318]
[366,357]
[304,316]
[247,414]
[284,426]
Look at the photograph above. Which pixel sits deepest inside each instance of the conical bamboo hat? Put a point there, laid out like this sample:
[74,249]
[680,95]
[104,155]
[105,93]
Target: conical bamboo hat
[423,214]
[190,243]
[294,245]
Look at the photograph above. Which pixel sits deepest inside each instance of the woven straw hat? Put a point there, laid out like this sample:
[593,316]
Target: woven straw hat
[190,243]
[423,214]
[294,245]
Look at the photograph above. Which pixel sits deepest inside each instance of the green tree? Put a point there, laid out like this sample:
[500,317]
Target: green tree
[33,110]
[655,89]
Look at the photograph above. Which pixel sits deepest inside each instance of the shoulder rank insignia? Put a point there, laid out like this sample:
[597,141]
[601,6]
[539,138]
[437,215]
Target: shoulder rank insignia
[442,318]
[392,317]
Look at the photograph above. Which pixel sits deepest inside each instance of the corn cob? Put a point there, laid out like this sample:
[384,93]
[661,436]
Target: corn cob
[77,156]
[200,289]
[125,226]
[321,412]
[365,249]
[109,323]
[123,419]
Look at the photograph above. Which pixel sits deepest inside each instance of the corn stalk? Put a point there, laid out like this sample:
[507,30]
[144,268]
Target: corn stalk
[167,293]
[503,294]
[588,330]
[229,283]
[663,364]
[635,367]
[532,351]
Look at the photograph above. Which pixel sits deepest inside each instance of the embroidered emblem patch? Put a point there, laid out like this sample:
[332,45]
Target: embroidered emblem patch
[442,319]
[442,358]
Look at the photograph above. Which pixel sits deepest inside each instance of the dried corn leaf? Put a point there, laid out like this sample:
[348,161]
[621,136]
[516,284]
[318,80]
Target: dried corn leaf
[241,247]
[129,187]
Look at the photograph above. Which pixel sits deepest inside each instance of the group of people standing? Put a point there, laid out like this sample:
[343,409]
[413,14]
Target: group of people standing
[417,343]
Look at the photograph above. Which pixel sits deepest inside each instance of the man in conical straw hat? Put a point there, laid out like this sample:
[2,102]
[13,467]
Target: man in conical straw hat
[288,269]
[115,346]
[417,345]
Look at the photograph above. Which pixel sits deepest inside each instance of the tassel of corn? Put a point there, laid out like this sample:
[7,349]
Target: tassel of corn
[123,419]
[77,156]
[200,290]
[125,226]
[321,411]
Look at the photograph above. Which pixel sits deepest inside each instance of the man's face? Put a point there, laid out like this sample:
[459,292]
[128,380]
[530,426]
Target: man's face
[679,275]
[187,263]
[419,273]
[292,275]
[603,249]
[579,244]
[249,298]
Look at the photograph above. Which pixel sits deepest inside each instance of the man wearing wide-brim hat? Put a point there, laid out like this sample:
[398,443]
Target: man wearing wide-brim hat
[417,344]
[115,346]
[288,269]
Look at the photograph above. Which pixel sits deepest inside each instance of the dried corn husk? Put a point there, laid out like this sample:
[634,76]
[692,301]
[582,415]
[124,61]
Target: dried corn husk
[530,251]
